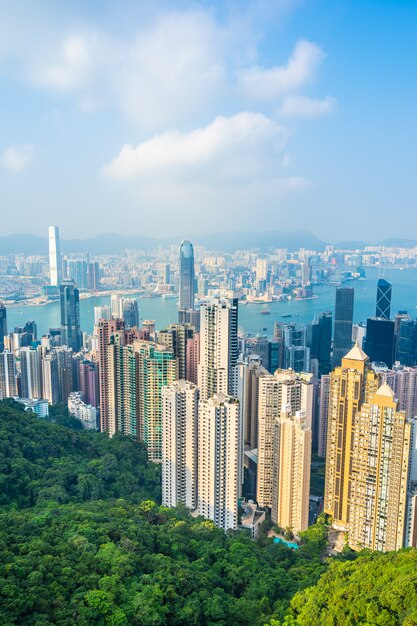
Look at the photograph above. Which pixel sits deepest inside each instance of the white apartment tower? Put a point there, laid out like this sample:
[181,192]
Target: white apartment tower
[179,444]
[218,348]
[55,272]
[282,394]
[219,471]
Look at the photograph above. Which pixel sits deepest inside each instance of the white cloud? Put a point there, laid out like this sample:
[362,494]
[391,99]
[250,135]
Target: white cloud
[270,84]
[72,67]
[17,158]
[228,148]
[302,106]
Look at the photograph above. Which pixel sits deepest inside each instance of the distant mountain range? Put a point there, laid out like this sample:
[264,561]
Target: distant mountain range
[110,243]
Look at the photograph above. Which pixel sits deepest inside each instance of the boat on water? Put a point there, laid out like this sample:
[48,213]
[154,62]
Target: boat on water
[287,315]
[265,311]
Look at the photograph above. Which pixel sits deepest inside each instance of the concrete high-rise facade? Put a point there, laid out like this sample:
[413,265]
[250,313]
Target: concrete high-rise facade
[50,378]
[31,372]
[291,471]
[8,378]
[3,325]
[218,348]
[121,386]
[179,444]
[378,474]
[187,276]
[69,297]
[157,367]
[104,329]
[351,384]
[284,393]
[219,459]
[343,320]
[130,312]
[323,415]
[192,358]
[55,269]
[383,299]
[175,337]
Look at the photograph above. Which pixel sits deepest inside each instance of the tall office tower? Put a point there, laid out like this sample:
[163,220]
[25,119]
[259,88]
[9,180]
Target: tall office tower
[192,358]
[55,268]
[378,474]
[93,276]
[32,329]
[121,387]
[175,337]
[166,278]
[284,391]
[323,415]
[297,358]
[187,278]
[157,367]
[379,341]
[189,316]
[64,356]
[351,384]
[406,342]
[31,372]
[219,471]
[383,299]
[116,306]
[104,330]
[179,444]
[130,312]
[8,378]
[3,325]
[261,347]
[50,378]
[70,315]
[101,313]
[218,348]
[89,377]
[319,341]
[343,319]
[291,471]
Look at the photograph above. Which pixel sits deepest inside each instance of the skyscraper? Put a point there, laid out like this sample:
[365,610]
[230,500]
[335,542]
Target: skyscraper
[187,278]
[379,340]
[122,388]
[3,325]
[179,444]
[406,342]
[218,348]
[378,474]
[157,367]
[31,372]
[219,460]
[130,312]
[8,379]
[285,392]
[55,269]
[383,299]
[70,315]
[291,471]
[351,384]
[343,319]
[104,329]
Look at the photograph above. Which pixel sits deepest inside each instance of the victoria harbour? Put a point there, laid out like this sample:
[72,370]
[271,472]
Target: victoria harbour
[165,311]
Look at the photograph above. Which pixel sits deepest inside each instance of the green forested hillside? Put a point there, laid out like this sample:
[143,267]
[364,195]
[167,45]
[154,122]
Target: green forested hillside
[374,589]
[83,540]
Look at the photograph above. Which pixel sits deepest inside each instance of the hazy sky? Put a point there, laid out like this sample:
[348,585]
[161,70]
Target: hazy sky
[163,118]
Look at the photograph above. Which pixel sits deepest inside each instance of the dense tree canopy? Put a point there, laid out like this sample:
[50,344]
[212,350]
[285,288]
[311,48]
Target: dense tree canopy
[84,540]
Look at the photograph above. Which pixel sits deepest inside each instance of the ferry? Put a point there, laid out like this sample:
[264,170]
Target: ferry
[265,311]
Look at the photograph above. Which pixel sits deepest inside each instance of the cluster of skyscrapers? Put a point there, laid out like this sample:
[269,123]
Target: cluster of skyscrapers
[232,417]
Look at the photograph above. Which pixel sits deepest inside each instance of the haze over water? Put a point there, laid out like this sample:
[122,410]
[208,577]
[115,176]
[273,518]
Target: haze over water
[165,311]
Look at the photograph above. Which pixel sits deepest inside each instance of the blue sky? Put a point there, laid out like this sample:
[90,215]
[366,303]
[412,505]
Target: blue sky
[163,118]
